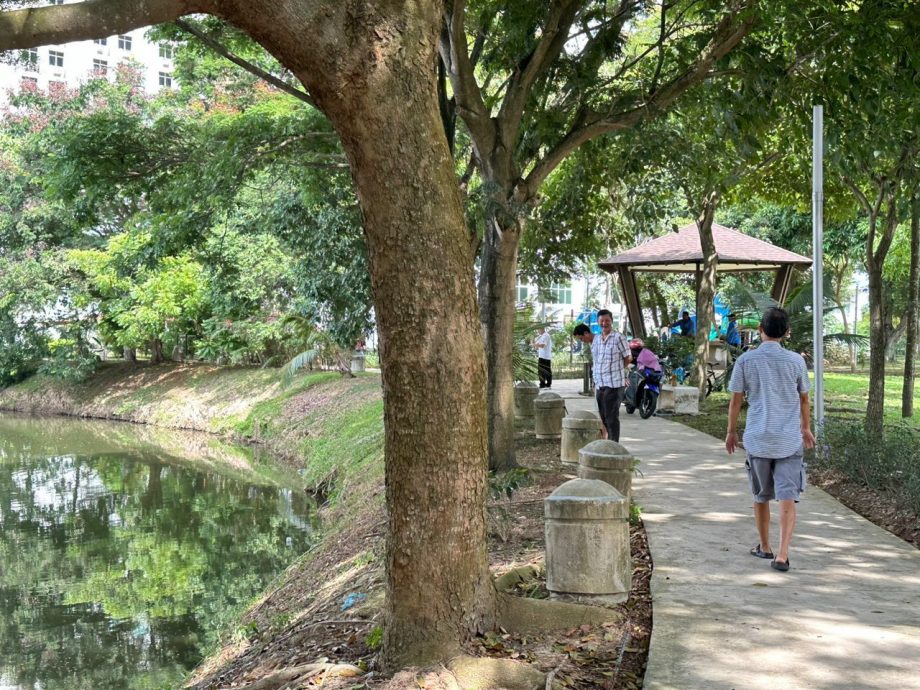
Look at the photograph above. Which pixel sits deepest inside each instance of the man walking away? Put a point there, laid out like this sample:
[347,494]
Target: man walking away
[778,429]
[610,353]
[544,345]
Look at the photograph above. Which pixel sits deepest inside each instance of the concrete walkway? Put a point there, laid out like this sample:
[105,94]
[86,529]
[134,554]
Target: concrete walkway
[846,615]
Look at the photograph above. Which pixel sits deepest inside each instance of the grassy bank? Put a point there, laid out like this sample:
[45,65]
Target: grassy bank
[323,425]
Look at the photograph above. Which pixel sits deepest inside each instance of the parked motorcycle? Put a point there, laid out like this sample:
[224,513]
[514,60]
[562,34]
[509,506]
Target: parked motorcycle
[643,391]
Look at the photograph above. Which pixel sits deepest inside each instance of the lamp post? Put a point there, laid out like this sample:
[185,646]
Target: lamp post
[817,217]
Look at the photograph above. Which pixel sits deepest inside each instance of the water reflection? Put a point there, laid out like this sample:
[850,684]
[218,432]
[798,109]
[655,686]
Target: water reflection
[121,559]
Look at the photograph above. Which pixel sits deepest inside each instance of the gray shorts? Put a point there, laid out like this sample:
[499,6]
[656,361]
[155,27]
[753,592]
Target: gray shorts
[782,479]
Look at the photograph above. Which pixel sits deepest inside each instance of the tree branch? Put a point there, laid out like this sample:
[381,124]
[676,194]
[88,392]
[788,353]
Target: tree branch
[727,35]
[222,50]
[456,57]
[555,33]
[56,24]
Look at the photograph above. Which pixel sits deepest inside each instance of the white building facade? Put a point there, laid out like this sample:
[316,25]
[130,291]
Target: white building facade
[75,63]
[562,303]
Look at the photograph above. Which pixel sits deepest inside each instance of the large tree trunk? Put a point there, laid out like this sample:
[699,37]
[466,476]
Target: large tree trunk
[366,71]
[913,309]
[706,288]
[156,351]
[875,410]
[893,336]
[497,281]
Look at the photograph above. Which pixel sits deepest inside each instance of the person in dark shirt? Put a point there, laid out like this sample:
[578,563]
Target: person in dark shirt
[732,334]
[685,324]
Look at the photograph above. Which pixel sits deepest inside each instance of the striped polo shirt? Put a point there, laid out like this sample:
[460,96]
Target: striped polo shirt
[608,355]
[772,378]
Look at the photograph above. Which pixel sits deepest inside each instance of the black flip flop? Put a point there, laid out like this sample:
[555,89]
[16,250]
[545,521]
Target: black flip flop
[760,553]
[782,567]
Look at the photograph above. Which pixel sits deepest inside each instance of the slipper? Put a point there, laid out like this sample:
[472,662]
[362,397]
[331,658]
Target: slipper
[757,551]
[782,567]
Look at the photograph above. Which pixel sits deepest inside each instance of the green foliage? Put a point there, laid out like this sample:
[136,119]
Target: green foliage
[523,356]
[504,484]
[635,514]
[70,359]
[375,637]
[891,465]
[155,253]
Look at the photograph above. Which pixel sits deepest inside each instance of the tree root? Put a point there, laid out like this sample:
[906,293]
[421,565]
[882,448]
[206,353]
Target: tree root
[276,680]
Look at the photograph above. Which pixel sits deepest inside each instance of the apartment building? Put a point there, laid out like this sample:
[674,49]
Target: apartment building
[74,63]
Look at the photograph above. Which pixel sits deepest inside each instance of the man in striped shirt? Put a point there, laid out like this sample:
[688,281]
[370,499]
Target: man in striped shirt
[610,354]
[777,430]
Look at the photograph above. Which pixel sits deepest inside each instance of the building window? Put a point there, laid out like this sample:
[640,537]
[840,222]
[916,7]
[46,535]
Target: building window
[30,58]
[166,52]
[100,67]
[522,291]
[165,79]
[55,58]
[55,2]
[124,42]
[557,293]
[101,41]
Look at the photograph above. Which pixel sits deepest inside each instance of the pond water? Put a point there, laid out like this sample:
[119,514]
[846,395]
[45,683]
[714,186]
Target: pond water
[125,552]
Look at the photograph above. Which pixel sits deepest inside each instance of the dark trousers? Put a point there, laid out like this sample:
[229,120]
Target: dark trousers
[545,370]
[608,404]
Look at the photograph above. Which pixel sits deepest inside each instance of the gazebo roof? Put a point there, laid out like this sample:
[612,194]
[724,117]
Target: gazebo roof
[680,251]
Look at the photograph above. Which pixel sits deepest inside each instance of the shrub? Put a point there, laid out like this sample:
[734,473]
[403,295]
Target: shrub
[892,466]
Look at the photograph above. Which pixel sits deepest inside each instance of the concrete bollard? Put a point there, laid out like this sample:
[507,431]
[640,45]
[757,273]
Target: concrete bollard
[548,411]
[524,395]
[579,428]
[609,462]
[586,522]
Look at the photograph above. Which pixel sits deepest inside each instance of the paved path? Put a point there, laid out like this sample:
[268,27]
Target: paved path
[846,616]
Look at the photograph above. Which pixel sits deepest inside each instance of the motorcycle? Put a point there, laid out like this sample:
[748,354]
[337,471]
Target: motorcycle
[643,391]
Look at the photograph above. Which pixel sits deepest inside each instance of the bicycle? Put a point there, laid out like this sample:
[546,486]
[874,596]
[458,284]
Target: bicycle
[714,381]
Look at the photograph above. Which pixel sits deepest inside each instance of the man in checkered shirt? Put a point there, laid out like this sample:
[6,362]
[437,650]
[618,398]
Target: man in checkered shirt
[611,356]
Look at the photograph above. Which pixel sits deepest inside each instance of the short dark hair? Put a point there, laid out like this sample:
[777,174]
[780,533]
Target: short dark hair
[775,322]
[604,312]
[686,313]
[581,329]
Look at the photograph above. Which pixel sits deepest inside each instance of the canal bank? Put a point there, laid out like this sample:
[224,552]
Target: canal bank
[327,429]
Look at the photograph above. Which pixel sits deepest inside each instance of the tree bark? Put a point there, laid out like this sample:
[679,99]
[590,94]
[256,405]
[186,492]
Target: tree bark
[156,351]
[893,336]
[913,309]
[877,247]
[129,354]
[875,410]
[706,289]
[366,69]
[497,281]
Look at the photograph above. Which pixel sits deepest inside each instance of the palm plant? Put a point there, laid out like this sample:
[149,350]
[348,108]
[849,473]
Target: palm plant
[801,324]
[526,327]
[316,345]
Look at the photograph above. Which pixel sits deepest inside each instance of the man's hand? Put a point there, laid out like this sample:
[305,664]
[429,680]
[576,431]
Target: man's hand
[732,442]
[808,438]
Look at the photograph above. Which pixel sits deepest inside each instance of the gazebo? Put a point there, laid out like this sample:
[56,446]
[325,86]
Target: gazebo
[680,252]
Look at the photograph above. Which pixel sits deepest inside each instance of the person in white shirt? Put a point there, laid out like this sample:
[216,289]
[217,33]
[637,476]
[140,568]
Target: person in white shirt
[544,345]
[611,356]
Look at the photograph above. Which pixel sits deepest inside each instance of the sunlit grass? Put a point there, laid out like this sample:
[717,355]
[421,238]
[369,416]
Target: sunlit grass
[845,398]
